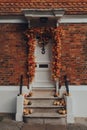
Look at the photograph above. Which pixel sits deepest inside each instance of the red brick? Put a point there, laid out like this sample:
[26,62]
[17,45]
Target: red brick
[13,53]
[74,56]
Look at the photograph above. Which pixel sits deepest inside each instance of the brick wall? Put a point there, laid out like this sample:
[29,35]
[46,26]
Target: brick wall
[74,53]
[13,53]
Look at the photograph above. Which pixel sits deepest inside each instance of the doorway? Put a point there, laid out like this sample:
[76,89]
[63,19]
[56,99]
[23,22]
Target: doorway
[43,67]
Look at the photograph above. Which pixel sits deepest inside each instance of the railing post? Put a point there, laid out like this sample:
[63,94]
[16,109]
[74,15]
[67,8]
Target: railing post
[69,107]
[20,100]
[19,108]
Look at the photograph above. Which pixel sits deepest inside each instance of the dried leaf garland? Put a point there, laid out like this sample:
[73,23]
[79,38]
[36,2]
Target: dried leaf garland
[55,35]
[56,53]
[31,57]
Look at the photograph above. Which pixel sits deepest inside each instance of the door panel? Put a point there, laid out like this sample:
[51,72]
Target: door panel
[43,70]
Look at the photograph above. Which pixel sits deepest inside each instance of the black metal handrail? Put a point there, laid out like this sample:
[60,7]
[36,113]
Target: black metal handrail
[66,84]
[21,84]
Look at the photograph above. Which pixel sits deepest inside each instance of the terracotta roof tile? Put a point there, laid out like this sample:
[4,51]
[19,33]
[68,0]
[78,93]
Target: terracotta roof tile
[16,6]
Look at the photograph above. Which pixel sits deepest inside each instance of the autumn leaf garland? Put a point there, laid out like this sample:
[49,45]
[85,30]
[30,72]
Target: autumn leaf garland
[31,57]
[56,51]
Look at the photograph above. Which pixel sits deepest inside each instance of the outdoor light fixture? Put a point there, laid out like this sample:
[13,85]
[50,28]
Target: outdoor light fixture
[43,19]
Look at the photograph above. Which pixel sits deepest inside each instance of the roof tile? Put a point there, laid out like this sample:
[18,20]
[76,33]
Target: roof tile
[70,6]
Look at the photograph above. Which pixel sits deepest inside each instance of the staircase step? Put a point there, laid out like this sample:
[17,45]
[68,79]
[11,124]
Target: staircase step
[43,102]
[51,121]
[44,88]
[42,107]
[43,98]
[44,115]
[43,93]
[44,110]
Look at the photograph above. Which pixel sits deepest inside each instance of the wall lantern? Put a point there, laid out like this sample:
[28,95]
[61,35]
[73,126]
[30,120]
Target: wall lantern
[43,20]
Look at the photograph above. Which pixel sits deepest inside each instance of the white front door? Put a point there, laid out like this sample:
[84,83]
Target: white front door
[43,67]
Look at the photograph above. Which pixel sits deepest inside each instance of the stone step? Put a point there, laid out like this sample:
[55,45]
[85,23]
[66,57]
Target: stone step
[44,121]
[43,109]
[43,88]
[43,98]
[44,115]
[43,102]
[43,92]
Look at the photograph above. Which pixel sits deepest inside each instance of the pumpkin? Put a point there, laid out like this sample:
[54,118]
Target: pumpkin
[56,95]
[62,111]
[26,102]
[30,94]
[58,103]
[25,111]
[54,103]
[29,103]
[30,111]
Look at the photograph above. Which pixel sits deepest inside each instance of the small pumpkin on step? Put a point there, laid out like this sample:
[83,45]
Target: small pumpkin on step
[29,103]
[30,111]
[25,111]
[30,94]
[66,94]
[26,102]
[56,94]
[62,111]
[56,103]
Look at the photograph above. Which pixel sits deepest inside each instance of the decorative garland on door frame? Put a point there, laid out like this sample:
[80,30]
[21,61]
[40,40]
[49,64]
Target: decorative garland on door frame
[56,34]
[56,53]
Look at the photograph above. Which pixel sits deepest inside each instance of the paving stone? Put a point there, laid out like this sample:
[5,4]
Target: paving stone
[56,127]
[7,124]
[76,127]
[33,127]
[81,120]
[60,121]
[34,121]
[4,126]
[12,123]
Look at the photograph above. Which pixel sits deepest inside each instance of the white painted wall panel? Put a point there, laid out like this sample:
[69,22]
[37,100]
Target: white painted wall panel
[8,95]
[79,100]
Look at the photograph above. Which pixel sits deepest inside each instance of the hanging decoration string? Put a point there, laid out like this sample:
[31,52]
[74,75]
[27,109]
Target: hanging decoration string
[56,53]
[31,57]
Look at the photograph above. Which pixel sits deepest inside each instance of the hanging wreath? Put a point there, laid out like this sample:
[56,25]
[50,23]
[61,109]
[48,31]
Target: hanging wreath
[43,35]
